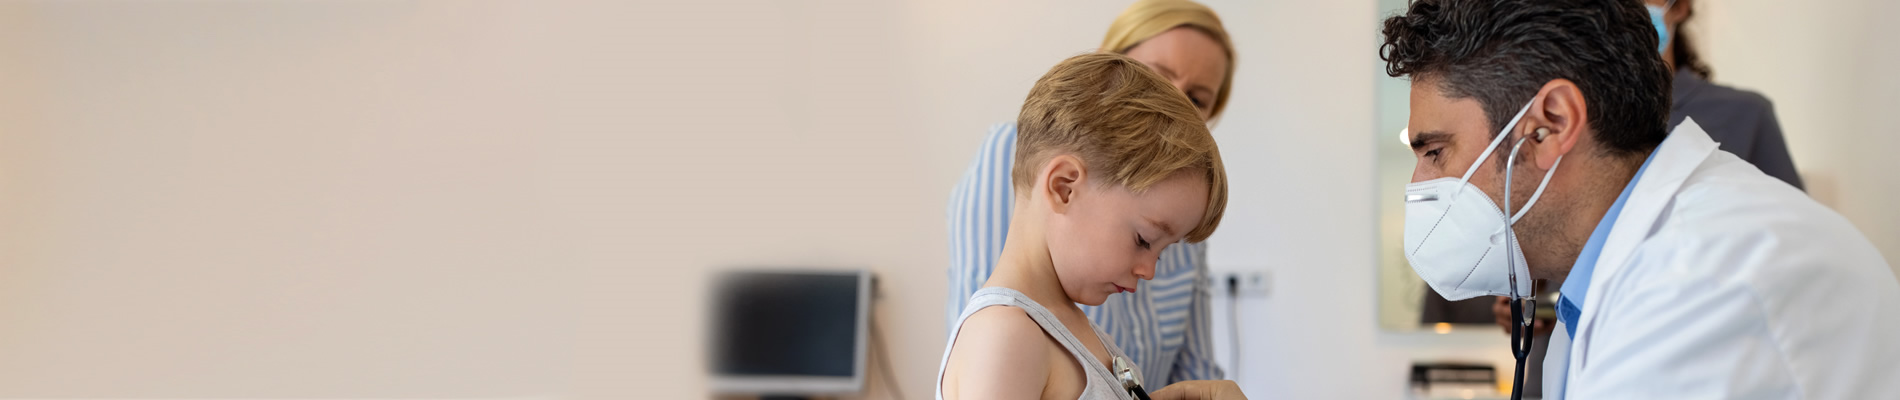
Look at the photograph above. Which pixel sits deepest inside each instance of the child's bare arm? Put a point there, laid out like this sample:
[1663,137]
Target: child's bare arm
[999,354]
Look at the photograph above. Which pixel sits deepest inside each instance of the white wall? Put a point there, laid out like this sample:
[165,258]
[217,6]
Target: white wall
[492,199]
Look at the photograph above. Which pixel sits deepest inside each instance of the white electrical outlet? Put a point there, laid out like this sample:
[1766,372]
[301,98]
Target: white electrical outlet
[1247,283]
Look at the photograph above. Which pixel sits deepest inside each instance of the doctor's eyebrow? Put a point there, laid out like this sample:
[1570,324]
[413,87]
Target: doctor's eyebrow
[1419,140]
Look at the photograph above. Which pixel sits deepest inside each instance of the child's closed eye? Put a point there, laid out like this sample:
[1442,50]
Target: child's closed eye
[1143,243]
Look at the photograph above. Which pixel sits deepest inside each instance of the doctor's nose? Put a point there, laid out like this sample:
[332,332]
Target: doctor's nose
[1419,174]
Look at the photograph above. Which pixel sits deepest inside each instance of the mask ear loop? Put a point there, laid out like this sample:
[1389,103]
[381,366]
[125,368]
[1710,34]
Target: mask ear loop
[1541,133]
[1502,133]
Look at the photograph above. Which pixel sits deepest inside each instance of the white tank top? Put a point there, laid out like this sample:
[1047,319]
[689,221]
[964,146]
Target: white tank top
[1102,384]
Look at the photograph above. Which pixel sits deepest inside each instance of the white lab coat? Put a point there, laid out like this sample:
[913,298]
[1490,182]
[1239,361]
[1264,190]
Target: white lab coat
[1721,282]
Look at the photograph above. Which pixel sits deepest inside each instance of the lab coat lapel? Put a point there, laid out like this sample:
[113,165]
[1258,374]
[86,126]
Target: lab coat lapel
[1556,362]
[1678,157]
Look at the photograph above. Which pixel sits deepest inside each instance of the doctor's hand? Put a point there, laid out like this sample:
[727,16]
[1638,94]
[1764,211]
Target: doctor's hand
[1501,309]
[1200,390]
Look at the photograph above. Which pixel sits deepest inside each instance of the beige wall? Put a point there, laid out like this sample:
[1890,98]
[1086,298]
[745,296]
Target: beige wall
[438,199]
[514,199]
[271,199]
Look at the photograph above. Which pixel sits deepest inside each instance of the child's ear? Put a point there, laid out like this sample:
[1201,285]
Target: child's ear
[1063,178]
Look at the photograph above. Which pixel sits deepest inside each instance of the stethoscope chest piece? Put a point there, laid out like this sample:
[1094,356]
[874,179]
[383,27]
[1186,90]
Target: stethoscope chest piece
[1129,376]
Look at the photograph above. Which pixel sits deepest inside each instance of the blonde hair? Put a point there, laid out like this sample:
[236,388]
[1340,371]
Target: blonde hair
[1123,120]
[1147,18]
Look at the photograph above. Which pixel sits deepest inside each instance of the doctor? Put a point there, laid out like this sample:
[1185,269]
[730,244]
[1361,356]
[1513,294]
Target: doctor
[1685,272]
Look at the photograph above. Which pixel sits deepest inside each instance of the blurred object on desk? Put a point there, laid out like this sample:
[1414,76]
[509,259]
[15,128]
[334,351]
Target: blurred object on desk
[1452,380]
[790,333]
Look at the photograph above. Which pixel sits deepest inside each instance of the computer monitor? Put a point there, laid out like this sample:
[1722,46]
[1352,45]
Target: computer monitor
[790,333]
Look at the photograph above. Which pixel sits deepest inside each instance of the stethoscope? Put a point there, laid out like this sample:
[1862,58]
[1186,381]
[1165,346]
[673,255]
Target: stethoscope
[1521,341]
[1130,377]
[1522,304]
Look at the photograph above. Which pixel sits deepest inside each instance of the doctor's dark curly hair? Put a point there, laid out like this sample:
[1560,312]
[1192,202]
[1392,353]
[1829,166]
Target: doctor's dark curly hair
[1501,52]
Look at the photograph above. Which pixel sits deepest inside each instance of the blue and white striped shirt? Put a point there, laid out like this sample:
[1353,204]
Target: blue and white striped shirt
[1163,325]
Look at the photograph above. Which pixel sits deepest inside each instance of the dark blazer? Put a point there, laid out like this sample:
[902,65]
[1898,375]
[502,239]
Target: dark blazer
[1742,121]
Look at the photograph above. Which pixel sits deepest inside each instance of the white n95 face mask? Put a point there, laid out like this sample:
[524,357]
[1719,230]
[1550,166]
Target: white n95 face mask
[1460,241]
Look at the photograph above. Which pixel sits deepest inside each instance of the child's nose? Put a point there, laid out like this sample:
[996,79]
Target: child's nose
[1146,270]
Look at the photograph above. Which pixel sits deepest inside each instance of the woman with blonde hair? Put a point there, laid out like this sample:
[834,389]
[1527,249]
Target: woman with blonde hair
[1163,324]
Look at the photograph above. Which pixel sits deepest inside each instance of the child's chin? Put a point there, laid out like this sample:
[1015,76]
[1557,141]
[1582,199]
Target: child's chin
[1095,301]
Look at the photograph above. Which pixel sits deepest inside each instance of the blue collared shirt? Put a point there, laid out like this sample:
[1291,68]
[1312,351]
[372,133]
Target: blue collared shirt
[1577,284]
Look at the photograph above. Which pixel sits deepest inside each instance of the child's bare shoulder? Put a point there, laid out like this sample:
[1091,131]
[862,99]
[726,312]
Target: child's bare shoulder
[999,353]
[1009,326]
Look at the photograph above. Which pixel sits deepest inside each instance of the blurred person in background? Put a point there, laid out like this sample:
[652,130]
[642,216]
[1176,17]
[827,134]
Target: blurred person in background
[1742,122]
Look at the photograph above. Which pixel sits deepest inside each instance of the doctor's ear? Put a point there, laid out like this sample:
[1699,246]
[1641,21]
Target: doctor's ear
[1062,179]
[1558,119]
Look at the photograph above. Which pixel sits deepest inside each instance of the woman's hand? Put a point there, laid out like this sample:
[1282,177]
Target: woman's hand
[1200,390]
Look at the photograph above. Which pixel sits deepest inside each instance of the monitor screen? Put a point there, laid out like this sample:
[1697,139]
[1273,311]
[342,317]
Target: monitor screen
[790,332]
